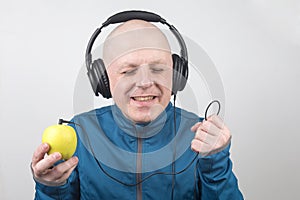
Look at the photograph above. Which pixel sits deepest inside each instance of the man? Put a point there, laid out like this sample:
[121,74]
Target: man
[141,123]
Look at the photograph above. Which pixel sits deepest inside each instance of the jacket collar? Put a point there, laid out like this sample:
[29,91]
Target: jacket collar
[141,130]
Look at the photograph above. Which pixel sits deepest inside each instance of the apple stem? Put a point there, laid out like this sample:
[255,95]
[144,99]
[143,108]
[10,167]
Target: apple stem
[61,121]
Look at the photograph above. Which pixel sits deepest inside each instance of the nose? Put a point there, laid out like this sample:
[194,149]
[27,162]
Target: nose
[144,79]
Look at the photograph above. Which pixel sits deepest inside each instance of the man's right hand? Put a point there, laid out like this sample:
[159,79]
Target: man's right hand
[45,172]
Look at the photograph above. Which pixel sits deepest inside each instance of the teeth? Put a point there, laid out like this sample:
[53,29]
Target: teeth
[143,98]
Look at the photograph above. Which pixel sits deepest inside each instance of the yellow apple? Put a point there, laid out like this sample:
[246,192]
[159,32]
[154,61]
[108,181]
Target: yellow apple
[61,138]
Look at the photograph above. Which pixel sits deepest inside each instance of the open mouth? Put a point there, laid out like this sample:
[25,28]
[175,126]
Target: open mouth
[143,98]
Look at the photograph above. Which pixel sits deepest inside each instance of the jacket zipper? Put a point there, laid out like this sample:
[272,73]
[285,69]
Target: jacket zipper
[139,169]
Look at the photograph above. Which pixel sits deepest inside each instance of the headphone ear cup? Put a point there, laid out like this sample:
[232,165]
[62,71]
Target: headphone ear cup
[93,80]
[99,77]
[180,73]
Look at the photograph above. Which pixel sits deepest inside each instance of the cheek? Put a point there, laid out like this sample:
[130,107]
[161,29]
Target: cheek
[114,82]
[165,81]
[120,87]
[112,79]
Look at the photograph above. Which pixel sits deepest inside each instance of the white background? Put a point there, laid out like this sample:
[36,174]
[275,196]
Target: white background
[255,46]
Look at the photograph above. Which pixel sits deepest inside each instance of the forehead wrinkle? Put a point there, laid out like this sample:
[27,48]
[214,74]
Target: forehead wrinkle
[150,63]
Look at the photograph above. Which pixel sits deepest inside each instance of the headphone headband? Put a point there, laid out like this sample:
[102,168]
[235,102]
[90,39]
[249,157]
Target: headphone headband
[130,15]
[133,14]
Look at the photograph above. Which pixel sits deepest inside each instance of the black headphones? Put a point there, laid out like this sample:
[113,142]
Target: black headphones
[97,72]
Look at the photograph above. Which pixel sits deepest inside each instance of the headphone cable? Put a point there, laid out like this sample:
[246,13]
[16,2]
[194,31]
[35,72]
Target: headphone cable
[139,182]
[174,147]
[173,173]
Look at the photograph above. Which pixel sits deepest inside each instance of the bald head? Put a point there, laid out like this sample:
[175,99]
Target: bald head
[131,36]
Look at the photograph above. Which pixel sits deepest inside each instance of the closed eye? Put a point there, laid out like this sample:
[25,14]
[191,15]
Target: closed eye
[129,71]
[157,70]
[157,67]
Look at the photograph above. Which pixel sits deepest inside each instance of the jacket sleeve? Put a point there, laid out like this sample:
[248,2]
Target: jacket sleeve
[217,179]
[68,191]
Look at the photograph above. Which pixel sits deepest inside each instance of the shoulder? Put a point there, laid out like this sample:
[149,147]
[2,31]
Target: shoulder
[99,112]
[187,115]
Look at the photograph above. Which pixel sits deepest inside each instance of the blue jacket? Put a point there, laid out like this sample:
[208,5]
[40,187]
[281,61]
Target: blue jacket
[111,149]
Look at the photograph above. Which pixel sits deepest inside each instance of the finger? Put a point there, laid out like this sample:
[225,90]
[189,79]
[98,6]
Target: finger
[59,174]
[39,153]
[213,126]
[62,180]
[63,170]
[210,128]
[201,135]
[203,148]
[196,126]
[43,165]
[213,141]
[217,121]
[198,146]
[208,139]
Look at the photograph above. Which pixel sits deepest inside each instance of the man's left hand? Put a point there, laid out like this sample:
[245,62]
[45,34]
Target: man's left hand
[211,136]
